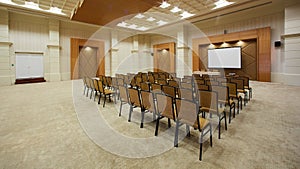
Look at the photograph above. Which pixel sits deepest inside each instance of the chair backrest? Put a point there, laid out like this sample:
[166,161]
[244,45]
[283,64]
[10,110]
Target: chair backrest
[145,86]
[246,81]
[199,81]
[239,83]
[169,90]
[186,85]
[151,78]
[147,101]
[96,85]
[138,81]
[185,94]
[221,80]
[165,106]
[232,88]
[212,82]
[120,82]
[187,112]
[173,83]
[186,80]
[209,100]
[156,88]
[144,77]
[223,94]
[101,86]
[134,97]
[124,97]
[108,81]
[162,81]
[201,87]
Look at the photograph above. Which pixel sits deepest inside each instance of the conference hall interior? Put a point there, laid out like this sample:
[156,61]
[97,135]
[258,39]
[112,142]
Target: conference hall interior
[150,84]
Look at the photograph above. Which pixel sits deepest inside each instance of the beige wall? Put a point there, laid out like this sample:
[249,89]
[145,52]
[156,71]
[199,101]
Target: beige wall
[126,51]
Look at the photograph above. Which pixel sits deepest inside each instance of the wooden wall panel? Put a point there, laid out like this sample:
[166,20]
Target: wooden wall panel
[75,44]
[171,48]
[263,51]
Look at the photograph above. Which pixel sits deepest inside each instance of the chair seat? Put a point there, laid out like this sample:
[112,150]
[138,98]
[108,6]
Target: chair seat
[241,91]
[108,91]
[207,109]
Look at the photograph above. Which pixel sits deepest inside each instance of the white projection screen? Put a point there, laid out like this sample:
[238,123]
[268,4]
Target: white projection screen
[225,58]
[29,65]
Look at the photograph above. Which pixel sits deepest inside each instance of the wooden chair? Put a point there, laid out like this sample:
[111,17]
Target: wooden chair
[155,88]
[173,83]
[134,102]
[246,86]
[169,90]
[186,85]
[241,89]
[187,112]
[147,105]
[164,109]
[145,86]
[105,92]
[208,101]
[224,99]
[187,94]
[233,94]
[124,97]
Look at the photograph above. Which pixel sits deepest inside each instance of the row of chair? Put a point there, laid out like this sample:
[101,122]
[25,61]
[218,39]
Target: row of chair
[176,100]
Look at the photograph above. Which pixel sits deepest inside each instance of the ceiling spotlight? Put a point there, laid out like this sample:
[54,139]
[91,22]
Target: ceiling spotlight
[175,9]
[160,23]
[222,3]
[165,4]
[32,5]
[186,14]
[140,16]
[151,19]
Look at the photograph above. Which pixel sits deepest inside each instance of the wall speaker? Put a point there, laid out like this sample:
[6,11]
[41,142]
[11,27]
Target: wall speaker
[277,43]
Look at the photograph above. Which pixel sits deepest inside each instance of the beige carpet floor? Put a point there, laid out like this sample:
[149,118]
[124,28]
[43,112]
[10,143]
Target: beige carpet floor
[41,127]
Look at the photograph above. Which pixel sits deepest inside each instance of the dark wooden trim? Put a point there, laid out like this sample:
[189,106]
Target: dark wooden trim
[30,80]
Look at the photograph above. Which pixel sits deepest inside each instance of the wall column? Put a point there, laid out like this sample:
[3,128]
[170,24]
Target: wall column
[291,44]
[182,54]
[114,52]
[6,78]
[53,72]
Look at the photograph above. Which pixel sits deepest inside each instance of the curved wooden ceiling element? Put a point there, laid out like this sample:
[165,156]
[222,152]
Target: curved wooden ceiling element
[102,12]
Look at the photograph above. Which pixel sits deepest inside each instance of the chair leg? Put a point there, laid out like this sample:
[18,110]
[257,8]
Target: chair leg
[142,118]
[120,108]
[210,132]
[201,143]
[187,128]
[104,100]
[91,94]
[99,98]
[229,114]
[225,121]
[233,110]
[130,111]
[219,126]
[95,95]
[176,134]
[169,122]
[241,101]
[157,126]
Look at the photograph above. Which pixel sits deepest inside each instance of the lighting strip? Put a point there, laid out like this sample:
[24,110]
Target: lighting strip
[221,4]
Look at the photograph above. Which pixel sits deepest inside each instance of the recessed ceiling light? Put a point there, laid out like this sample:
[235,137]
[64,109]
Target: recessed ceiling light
[222,3]
[133,26]
[32,5]
[142,28]
[165,4]
[175,9]
[151,19]
[140,16]
[122,24]
[186,14]
[161,22]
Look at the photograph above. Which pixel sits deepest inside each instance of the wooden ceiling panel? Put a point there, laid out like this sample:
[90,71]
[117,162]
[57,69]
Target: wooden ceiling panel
[102,12]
